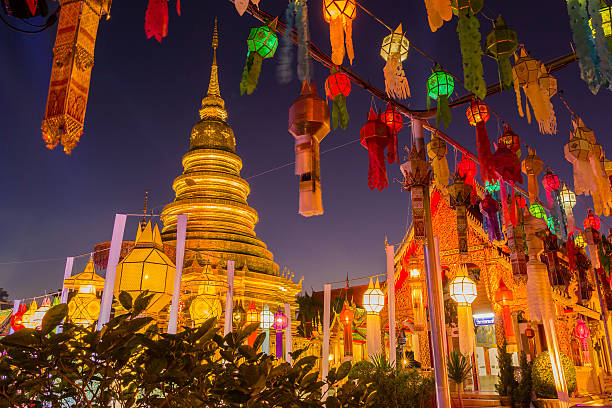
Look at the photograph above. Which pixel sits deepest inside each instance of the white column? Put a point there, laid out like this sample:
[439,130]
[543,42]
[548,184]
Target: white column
[181,234]
[391,296]
[229,298]
[373,339]
[67,274]
[325,353]
[288,348]
[15,309]
[111,269]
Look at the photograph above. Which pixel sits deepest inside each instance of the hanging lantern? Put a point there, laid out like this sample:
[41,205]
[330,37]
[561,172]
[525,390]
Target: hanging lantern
[504,297]
[567,199]
[280,323]
[261,43]
[537,211]
[552,224]
[395,122]
[465,7]
[338,88]
[346,318]
[340,15]
[516,244]
[266,318]
[436,150]
[551,183]
[477,115]
[394,51]
[490,207]
[17,318]
[468,29]
[416,297]
[502,42]
[579,241]
[417,174]
[205,306]
[532,166]
[373,298]
[84,307]
[309,124]
[508,166]
[39,314]
[73,59]
[252,317]
[375,136]
[440,86]
[511,140]
[28,317]
[462,288]
[460,193]
[238,315]
[468,169]
[582,334]
[156,19]
[526,73]
[438,12]
[592,221]
[492,188]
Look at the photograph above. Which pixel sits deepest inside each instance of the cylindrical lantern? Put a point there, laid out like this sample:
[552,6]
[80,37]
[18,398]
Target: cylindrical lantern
[346,317]
[532,166]
[373,302]
[463,291]
[504,297]
[375,137]
[252,317]
[280,323]
[416,297]
[568,201]
[266,318]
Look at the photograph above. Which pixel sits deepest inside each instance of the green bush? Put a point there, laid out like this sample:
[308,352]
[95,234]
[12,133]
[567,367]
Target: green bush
[506,383]
[542,376]
[522,393]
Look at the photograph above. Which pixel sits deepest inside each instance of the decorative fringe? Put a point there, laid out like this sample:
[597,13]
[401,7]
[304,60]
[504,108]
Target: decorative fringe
[542,108]
[469,40]
[505,72]
[336,38]
[156,19]
[283,69]
[438,11]
[396,84]
[443,111]
[348,33]
[439,164]
[483,147]
[303,56]
[241,6]
[339,114]
[377,173]
[517,92]
[489,207]
[250,75]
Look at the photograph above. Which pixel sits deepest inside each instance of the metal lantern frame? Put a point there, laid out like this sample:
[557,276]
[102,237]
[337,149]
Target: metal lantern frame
[527,69]
[395,43]
[373,298]
[84,308]
[440,83]
[502,41]
[266,318]
[252,315]
[537,211]
[477,112]
[205,306]
[463,290]
[591,221]
[568,197]
[262,41]
[393,119]
[339,8]
[336,84]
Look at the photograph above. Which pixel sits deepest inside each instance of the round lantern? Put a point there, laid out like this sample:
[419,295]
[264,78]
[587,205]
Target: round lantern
[510,139]
[568,198]
[492,187]
[339,8]
[252,315]
[203,307]
[262,41]
[440,83]
[84,307]
[592,221]
[393,119]
[395,44]
[337,84]
[347,314]
[373,298]
[477,112]
[266,318]
[579,241]
[551,181]
[537,211]
[462,288]
[17,318]
[239,315]
[464,7]
[280,320]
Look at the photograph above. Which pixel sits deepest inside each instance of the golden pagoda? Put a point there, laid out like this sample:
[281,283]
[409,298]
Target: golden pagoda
[221,224]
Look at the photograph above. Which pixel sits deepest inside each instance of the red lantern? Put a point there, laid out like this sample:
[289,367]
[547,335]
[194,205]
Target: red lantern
[510,140]
[592,221]
[338,87]
[375,137]
[504,297]
[582,333]
[467,169]
[551,183]
[346,317]
[395,122]
[252,317]
[521,202]
[477,115]
[17,318]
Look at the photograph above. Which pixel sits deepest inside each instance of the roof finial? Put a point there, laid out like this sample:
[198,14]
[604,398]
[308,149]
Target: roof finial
[213,85]
[144,211]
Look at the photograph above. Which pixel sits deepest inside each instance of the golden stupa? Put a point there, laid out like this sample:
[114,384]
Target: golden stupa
[221,224]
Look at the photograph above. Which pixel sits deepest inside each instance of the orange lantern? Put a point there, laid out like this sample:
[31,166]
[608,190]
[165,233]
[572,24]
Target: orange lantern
[477,115]
[252,317]
[504,297]
[17,318]
[340,14]
[592,221]
[346,317]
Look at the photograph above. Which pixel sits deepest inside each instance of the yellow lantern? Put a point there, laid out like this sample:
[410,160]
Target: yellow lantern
[462,288]
[579,240]
[28,317]
[39,314]
[84,307]
[373,298]
[394,51]
[147,267]
[340,14]
[205,306]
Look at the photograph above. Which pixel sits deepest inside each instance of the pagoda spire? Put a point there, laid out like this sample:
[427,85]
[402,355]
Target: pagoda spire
[213,84]
[213,106]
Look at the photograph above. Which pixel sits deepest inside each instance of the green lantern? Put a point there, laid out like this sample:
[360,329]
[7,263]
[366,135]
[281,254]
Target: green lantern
[537,211]
[464,7]
[492,187]
[551,222]
[440,86]
[501,44]
[262,43]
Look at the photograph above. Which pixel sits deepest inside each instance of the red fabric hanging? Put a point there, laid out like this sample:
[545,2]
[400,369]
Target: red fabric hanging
[571,252]
[435,201]
[483,146]
[377,174]
[178,7]
[392,153]
[467,169]
[156,19]
[32,4]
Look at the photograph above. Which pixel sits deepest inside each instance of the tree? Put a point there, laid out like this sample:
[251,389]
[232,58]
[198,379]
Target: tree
[506,383]
[522,393]
[4,296]
[459,370]
[309,313]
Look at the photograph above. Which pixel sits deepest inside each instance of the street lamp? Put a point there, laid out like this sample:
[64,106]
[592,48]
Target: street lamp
[373,302]
[463,291]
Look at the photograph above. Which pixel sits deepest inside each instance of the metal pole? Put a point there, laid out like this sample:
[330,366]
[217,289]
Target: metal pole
[325,351]
[229,299]
[181,234]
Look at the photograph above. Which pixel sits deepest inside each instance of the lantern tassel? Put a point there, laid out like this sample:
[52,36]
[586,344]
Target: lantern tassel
[392,150]
[471,52]
[377,173]
[504,201]
[517,90]
[156,19]
[505,73]
[250,75]
[487,168]
[348,34]
[336,38]
[396,84]
[542,108]
[339,114]
[178,7]
[443,111]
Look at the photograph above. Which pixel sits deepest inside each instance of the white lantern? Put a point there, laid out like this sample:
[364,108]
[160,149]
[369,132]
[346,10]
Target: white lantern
[373,298]
[462,288]
[266,318]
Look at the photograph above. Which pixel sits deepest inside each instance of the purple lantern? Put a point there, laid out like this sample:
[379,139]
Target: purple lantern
[280,323]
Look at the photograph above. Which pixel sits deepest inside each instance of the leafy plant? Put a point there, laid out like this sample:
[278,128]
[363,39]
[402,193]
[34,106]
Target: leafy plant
[309,314]
[522,393]
[542,376]
[459,370]
[506,383]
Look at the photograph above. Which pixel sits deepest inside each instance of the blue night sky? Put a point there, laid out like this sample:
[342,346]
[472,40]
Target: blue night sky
[144,99]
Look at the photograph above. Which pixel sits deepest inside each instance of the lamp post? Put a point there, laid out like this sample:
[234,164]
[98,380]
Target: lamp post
[463,291]
[266,318]
[373,302]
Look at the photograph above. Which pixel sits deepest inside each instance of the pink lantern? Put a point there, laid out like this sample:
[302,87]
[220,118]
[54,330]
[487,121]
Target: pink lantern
[582,333]
[551,183]
[280,323]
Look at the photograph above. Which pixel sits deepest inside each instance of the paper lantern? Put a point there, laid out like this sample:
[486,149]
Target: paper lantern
[238,315]
[550,182]
[417,174]
[395,122]
[489,208]
[266,318]
[261,43]
[73,59]
[394,51]
[582,334]
[551,224]
[492,188]
[504,297]
[537,211]
[40,312]
[511,140]
[592,221]
[340,15]
[280,324]
[375,137]
[28,317]
[529,333]
[440,86]
[526,73]
[502,42]
[346,318]
[252,317]
[438,12]
[477,112]
[204,307]
[568,198]
[436,150]
[462,288]
[462,7]
[84,307]
[579,241]
[148,268]
[309,124]
[156,19]
[532,166]
[477,115]
[460,193]
[17,318]
[606,23]
[338,88]
[373,298]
